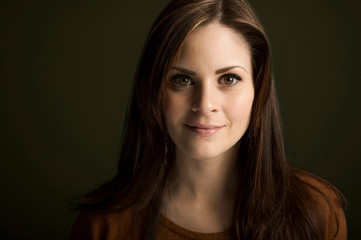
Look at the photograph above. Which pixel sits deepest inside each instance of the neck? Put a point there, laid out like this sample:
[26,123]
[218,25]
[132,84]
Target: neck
[200,195]
[205,180]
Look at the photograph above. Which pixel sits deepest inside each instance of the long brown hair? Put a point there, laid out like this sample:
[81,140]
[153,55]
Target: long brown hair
[273,200]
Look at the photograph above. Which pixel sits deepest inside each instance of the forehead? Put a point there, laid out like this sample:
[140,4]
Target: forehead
[214,45]
[215,30]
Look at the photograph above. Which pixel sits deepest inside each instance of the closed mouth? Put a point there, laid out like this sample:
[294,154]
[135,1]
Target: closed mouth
[204,129]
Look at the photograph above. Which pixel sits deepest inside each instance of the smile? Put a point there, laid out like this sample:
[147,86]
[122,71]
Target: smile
[204,129]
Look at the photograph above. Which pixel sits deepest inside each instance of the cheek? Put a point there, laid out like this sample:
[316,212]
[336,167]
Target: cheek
[174,107]
[240,110]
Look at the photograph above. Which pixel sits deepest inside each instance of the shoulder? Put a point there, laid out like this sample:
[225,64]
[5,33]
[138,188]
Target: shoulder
[328,201]
[115,224]
[321,190]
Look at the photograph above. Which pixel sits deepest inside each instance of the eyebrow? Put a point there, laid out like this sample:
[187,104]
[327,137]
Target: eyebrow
[219,71]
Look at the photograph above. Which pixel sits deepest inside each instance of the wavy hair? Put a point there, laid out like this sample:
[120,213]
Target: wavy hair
[273,201]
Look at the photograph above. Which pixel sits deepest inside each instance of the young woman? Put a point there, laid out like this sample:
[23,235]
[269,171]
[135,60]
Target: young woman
[202,154]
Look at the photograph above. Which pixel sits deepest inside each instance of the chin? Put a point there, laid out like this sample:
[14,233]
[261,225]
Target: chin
[205,152]
[204,156]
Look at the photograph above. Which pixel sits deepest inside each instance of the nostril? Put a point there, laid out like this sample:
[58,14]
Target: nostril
[204,109]
[204,100]
[196,110]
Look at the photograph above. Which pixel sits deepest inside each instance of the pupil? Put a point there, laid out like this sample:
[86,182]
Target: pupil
[183,81]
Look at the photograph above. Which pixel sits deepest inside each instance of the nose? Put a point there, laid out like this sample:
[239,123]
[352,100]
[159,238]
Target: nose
[205,100]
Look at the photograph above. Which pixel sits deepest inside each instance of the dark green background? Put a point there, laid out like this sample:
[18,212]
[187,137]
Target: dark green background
[65,74]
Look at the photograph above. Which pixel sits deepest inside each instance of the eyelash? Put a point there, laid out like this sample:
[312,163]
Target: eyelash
[178,76]
[236,78]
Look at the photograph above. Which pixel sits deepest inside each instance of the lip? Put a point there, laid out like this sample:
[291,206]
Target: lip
[204,129]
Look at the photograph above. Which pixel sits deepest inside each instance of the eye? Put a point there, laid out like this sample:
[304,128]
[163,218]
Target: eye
[230,79]
[181,80]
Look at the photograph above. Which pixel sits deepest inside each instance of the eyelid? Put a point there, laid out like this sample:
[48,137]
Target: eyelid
[220,79]
[235,76]
[173,77]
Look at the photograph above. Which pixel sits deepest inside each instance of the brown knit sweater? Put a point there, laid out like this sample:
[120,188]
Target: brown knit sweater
[120,225]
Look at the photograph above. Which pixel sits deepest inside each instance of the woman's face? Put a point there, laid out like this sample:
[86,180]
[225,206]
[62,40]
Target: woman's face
[210,94]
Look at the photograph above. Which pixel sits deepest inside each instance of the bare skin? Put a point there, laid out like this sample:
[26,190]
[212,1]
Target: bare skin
[203,200]
[207,110]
